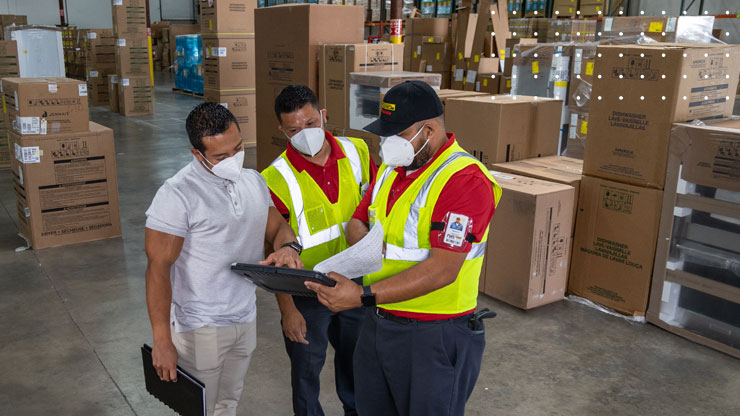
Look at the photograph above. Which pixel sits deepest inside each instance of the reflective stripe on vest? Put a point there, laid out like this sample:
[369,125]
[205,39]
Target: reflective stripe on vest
[393,252]
[307,239]
[353,156]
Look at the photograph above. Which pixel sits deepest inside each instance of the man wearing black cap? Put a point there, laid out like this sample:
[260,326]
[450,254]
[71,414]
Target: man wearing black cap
[421,345]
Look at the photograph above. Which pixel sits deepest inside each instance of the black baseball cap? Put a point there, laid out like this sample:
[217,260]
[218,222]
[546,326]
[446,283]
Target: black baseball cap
[404,105]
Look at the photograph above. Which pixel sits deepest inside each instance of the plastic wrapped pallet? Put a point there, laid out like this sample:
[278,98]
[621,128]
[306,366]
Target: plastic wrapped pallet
[189,63]
[40,52]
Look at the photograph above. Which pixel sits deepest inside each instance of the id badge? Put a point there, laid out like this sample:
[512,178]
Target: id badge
[456,229]
[371,216]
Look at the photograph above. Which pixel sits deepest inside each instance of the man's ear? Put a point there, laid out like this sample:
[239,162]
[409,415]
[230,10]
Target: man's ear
[196,153]
[324,116]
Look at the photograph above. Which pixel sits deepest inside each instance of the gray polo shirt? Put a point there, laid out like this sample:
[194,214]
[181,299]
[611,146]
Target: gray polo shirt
[222,222]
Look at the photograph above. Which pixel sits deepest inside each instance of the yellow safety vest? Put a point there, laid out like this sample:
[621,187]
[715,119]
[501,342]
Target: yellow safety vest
[406,233]
[319,224]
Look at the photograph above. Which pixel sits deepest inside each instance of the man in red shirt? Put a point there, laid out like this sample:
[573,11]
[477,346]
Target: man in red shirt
[316,184]
[421,344]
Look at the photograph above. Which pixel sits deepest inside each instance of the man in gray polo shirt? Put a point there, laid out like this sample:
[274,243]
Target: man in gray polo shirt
[211,214]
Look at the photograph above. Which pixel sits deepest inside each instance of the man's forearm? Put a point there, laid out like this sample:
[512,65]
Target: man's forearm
[355,231]
[283,236]
[158,301]
[285,303]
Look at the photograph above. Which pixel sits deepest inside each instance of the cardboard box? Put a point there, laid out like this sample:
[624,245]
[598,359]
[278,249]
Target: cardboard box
[97,91]
[338,61]
[436,54]
[368,88]
[505,85]
[113,97]
[446,94]
[136,96]
[132,57]
[486,66]
[559,169]
[66,187]
[500,128]
[158,30]
[614,246]
[129,18]
[100,37]
[8,59]
[564,8]
[416,31]
[529,241]
[9,20]
[488,83]
[241,103]
[677,83]
[710,153]
[45,105]
[288,40]
[232,17]
[228,62]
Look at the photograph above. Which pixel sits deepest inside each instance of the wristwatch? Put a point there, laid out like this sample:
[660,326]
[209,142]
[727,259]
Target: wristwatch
[295,246]
[368,297]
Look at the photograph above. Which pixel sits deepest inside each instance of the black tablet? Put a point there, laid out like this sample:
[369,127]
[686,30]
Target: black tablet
[282,279]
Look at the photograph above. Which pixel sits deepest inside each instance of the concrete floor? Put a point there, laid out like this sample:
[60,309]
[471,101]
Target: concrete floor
[74,318]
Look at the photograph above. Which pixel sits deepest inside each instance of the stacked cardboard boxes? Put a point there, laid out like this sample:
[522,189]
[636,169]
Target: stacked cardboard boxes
[101,62]
[564,8]
[288,50]
[8,68]
[64,168]
[593,8]
[136,93]
[639,90]
[161,46]
[417,30]
[227,28]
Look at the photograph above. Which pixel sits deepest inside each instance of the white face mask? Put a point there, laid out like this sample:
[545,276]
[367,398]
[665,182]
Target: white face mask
[309,141]
[397,151]
[229,168]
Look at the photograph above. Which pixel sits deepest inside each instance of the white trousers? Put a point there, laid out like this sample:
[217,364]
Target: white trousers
[219,357]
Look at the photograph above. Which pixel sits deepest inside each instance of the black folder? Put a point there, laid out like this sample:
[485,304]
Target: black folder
[282,279]
[186,397]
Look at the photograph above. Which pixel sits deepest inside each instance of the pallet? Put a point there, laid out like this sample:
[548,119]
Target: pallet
[186,92]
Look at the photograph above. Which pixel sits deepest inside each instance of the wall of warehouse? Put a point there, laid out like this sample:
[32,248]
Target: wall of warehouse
[87,14]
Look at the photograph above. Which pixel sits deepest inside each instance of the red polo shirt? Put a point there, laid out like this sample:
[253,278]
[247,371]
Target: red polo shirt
[468,193]
[327,176]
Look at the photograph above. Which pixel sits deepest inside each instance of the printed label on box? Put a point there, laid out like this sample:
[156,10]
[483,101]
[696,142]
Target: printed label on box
[655,27]
[82,90]
[671,25]
[28,154]
[121,42]
[608,22]
[92,35]
[114,79]
[42,129]
[93,74]
[118,2]
[535,67]
[584,127]
[429,68]
[28,125]
[471,76]
[125,82]
[53,88]
[589,68]
[221,52]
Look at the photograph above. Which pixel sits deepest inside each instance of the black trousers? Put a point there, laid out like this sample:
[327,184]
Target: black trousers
[417,368]
[306,361]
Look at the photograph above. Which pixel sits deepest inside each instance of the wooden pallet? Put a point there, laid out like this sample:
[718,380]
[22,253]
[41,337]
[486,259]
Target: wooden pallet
[186,92]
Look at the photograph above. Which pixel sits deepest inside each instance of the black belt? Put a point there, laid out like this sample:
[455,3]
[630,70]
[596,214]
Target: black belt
[382,313]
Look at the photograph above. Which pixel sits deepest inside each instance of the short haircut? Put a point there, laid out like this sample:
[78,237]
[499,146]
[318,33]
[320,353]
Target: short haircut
[208,119]
[293,98]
